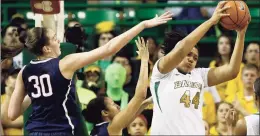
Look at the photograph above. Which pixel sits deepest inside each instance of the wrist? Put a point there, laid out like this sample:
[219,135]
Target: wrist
[144,61]
[143,24]
[210,21]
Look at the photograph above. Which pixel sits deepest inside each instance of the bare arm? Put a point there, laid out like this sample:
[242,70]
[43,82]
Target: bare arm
[227,72]
[15,105]
[124,118]
[68,65]
[172,59]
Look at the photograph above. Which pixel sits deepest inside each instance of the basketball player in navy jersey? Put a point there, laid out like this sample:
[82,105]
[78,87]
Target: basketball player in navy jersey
[105,114]
[48,80]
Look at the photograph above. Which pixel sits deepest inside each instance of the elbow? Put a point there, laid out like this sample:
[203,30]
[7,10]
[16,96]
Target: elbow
[234,74]
[11,115]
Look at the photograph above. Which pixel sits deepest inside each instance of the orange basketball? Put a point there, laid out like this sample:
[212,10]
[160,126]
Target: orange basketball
[239,15]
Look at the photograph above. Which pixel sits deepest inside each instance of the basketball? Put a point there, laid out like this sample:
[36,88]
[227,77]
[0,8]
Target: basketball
[239,15]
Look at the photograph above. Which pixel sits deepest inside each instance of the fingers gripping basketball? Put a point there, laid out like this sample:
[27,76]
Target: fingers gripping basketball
[239,15]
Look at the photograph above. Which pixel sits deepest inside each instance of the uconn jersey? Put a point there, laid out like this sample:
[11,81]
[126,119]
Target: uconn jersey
[54,108]
[100,129]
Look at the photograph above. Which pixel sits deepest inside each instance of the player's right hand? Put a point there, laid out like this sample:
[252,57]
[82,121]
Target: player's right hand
[218,13]
[142,48]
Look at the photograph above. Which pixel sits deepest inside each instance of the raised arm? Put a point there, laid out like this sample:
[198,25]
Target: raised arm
[227,72]
[124,118]
[180,51]
[68,64]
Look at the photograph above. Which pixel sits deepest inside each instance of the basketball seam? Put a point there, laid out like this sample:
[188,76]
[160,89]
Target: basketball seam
[236,10]
[243,18]
[234,23]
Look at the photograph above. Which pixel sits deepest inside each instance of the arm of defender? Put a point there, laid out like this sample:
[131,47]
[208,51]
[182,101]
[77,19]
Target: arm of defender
[15,106]
[113,46]
[125,117]
[227,72]
[172,59]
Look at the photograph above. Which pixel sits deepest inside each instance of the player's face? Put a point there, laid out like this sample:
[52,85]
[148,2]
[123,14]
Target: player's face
[224,47]
[190,61]
[222,111]
[54,43]
[104,38]
[252,54]
[112,108]
[137,127]
[248,77]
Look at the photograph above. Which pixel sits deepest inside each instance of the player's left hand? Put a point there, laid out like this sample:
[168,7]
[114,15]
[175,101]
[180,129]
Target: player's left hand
[243,30]
[142,49]
[162,19]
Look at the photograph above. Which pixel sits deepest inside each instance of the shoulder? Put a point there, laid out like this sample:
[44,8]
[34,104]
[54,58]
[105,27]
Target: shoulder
[241,128]
[200,70]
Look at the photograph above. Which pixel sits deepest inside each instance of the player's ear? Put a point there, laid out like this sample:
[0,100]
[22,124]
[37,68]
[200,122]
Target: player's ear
[104,113]
[46,49]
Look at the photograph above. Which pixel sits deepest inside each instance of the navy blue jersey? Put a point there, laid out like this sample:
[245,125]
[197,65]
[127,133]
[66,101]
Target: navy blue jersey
[54,107]
[100,129]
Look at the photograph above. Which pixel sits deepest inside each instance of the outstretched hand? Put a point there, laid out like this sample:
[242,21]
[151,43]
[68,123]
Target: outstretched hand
[142,48]
[164,18]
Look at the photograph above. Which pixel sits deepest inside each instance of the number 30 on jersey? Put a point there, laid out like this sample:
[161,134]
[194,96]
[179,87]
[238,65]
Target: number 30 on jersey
[40,88]
[186,99]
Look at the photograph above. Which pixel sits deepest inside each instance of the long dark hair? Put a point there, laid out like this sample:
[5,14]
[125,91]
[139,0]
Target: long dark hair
[218,58]
[93,111]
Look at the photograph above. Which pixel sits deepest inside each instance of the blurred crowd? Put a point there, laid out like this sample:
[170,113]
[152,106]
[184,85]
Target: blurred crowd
[116,76]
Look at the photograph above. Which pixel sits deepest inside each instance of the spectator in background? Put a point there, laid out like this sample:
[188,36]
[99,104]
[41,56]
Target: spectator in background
[123,58]
[153,48]
[18,20]
[224,52]
[104,33]
[251,56]
[115,77]
[6,65]
[76,35]
[10,127]
[243,100]
[11,42]
[138,127]
[221,127]
[190,13]
[94,80]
